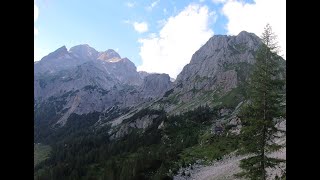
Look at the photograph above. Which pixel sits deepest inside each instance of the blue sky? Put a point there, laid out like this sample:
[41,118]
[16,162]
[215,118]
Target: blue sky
[144,31]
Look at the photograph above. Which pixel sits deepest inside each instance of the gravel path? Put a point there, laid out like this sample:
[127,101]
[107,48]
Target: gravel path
[220,170]
[226,168]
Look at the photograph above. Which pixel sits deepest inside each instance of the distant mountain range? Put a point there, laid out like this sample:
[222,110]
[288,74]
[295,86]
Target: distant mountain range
[83,80]
[86,81]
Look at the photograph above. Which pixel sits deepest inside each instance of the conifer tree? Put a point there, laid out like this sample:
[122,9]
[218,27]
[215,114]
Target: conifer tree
[264,105]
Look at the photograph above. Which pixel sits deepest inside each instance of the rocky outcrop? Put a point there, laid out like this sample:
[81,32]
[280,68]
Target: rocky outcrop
[155,85]
[216,70]
[143,74]
[140,123]
[110,56]
[56,61]
[216,61]
[124,70]
[84,51]
[87,74]
[86,81]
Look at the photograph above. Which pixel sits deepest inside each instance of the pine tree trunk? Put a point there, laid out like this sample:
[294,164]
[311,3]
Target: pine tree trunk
[264,129]
[264,117]
[263,153]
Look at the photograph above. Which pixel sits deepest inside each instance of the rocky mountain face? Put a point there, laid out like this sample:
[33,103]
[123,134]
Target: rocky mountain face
[154,84]
[143,74]
[217,61]
[84,52]
[109,55]
[83,80]
[216,76]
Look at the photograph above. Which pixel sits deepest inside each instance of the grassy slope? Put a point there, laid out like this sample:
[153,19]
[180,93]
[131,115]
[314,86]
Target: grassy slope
[41,152]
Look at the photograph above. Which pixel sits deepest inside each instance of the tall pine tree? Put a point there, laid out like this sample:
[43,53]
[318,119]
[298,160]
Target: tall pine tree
[264,105]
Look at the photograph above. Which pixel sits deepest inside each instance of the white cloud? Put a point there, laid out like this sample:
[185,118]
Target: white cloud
[152,35]
[38,54]
[218,1]
[173,47]
[152,5]
[254,17]
[36,31]
[161,23]
[36,12]
[130,4]
[140,27]
[36,15]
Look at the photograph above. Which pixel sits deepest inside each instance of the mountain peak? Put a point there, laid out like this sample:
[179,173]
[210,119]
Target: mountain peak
[84,51]
[247,34]
[244,33]
[111,51]
[219,52]
[60,52]
[109,55]
[82,45]
[251,40]
[62,49]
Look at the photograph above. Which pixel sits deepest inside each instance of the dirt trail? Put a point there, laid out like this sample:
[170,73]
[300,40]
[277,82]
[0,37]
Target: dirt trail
[226,168]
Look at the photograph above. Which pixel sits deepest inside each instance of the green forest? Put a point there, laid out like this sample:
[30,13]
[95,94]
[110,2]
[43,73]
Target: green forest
[81,153]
